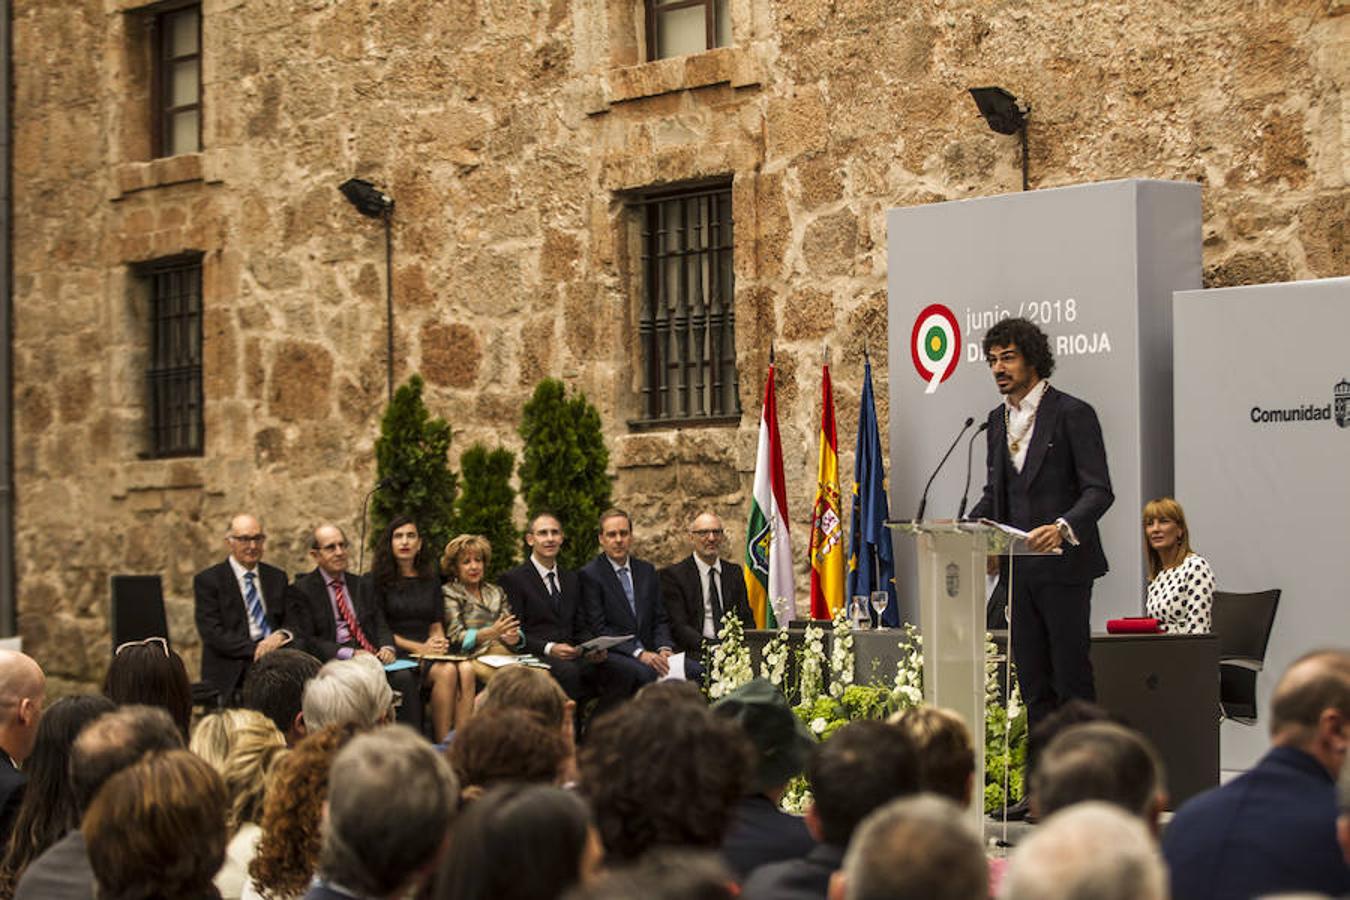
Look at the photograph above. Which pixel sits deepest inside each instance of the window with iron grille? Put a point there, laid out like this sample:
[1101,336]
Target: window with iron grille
[174,368]
[176,92]
[677,27]
[688,322]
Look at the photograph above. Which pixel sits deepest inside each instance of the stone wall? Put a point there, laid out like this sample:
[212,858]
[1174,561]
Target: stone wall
[508,131]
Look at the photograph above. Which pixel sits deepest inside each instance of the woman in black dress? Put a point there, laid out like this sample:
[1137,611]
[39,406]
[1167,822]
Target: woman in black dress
[408,592]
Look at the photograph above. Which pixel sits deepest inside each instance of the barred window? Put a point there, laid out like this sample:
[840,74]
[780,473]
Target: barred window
[177,72]
[677,27]
[688,322]
[174,369]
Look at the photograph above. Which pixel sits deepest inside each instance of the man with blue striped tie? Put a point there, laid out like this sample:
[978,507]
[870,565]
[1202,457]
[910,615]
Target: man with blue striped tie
[239,607]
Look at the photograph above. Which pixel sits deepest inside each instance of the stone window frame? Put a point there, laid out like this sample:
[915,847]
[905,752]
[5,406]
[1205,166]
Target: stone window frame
[664,401]
[162,106]
[713,12]
[175,421]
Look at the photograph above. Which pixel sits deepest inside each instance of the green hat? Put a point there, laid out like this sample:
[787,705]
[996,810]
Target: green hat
[782,742]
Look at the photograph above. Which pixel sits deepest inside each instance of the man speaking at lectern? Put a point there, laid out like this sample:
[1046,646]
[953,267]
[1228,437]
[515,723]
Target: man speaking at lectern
[1046,475]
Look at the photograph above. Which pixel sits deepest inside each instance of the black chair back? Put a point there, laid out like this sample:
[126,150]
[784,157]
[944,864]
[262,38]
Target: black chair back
[137,610]
[1243,623]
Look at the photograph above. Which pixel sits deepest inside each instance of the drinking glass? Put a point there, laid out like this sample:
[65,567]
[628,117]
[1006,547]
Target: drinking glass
[858,612]
[880,599]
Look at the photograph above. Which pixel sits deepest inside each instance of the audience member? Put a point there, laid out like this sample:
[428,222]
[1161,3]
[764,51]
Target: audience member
[479,621]
[106,746]
[256,748]
[665,873]
[1272,829]
[214,734]
[288,850]
[156,830]
[661,774]
[49,811]
[510,745]
[1343,804]
[917,848]
[240,608]
[946,753]
[1092,850]
[387,818]
[148,672]
[1180,581]
[622,595]
[700,590]
[762,833]
[1100,761]
[671,691]
[407,591]
[275,687]
[23,688]
[862,767]
[346,691]
[485,860]
[531,690]
[1072,712]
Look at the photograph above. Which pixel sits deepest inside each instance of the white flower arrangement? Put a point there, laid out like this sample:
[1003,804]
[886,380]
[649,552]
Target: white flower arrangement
[811,677]
[730,660]
[841,653]
[774,660]
[908,686]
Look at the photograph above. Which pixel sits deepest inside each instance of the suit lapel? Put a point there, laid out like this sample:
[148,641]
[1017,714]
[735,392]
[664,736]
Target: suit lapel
[614,587]
[1047,413]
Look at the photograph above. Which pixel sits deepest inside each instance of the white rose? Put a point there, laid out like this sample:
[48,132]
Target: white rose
[818,725]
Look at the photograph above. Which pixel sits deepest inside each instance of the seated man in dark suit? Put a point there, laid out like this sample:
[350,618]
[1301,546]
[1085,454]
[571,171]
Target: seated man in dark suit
[547,601]
[1272,830]
[240,608]
[333,616]
[701,590]
[623,596]
[862,767]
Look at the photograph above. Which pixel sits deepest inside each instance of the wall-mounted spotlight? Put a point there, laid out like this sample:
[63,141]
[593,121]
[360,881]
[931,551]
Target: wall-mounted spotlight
[372,202]
[1006,115]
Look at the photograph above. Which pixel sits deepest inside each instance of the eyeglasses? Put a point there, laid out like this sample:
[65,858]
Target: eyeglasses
[248,538]
[163,644]
[707,532]
[334,547]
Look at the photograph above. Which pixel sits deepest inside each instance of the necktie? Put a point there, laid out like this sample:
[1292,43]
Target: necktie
[254,603]
[715,601]
[345,610]
[627,583]
[553,589]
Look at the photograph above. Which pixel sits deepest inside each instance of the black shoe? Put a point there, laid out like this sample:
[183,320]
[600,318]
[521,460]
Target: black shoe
[1019,811]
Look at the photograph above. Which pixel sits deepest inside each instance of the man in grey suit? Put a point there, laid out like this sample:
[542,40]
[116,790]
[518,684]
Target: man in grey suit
[701,589]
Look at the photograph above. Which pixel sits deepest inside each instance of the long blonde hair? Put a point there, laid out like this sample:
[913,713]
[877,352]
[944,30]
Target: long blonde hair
[1165,508]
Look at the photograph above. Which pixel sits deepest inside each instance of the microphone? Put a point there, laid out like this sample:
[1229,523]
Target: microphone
[923,501]
[965,491]
[385,482]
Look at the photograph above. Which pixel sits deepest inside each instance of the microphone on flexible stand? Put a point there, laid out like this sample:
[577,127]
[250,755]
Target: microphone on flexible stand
[365,505]
[965,491]
[923,501]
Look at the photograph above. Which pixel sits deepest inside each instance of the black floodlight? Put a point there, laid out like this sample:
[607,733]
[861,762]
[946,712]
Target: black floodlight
[366,197]
[1006,115]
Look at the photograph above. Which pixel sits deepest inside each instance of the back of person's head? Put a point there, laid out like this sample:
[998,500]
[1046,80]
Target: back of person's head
[157,829]
[665,873]
[1100,761]
[485,860]
[275,686]
[288,849]
[946,754]
[345,691]
[149,673]
[23,686]
[782,743]
[114,741]
[214,735]
[1314,686]
[863,766]
[254,750]
[528,690]
[508,746]
[390,804]
[49,807]
[1091,850]
[1072,712]
[664,775]
[915,848]
[666,692]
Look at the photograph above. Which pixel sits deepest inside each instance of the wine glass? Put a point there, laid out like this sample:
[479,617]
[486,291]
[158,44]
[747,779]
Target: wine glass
[858,611]
[880,600]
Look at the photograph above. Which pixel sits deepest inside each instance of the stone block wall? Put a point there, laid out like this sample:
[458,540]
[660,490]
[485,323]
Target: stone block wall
[509,132]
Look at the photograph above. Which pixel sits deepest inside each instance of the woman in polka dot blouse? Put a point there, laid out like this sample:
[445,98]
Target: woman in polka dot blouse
[1180,582]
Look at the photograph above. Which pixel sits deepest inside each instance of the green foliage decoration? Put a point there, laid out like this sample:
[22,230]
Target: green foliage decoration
[412,454]
[563,466]
[486,504]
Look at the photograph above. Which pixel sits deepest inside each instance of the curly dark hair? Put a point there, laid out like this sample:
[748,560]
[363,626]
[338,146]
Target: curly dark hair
[664,774]
[1029,340]
[509,745]
[49,808]
[289,847]
[385,568]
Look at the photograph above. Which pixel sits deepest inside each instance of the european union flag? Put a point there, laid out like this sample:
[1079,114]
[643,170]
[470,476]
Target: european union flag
[871,563]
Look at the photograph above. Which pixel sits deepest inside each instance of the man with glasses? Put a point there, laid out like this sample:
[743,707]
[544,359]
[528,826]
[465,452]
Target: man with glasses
[702,589]
[239,605]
